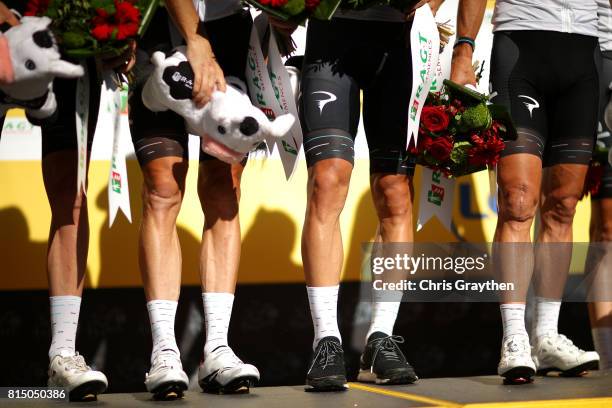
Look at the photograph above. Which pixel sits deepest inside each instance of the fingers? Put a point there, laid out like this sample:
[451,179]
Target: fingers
[6,68]
[6,16]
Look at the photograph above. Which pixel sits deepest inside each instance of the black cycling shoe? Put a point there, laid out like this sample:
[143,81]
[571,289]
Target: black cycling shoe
[327,372]
[382,361]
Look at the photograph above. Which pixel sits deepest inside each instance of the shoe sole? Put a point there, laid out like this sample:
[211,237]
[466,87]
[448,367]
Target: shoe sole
[240,385]
[577,371]
[326,384]
[396,377]
[518,376]
[88,391]
[169,391]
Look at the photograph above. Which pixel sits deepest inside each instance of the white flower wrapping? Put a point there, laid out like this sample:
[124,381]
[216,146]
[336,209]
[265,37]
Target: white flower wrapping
[229,125]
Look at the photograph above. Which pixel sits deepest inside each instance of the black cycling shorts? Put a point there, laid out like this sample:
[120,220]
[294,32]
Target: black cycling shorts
[163,134]
[549,82]
[604,134]
[343,57]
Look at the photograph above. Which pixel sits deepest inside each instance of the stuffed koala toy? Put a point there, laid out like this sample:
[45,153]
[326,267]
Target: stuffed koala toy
[229,125]
[36,60]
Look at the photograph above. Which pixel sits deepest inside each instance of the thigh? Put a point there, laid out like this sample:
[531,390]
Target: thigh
[574,106]
[385,110]
[515,81]
[60,133]
[329,104]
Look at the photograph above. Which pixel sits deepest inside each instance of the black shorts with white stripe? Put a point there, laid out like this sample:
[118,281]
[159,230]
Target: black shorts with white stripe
[343,58]
[549,82]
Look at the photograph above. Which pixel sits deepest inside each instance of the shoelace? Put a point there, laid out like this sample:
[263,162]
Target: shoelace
[388,348]
[326,354]
[76,363]
[165,359]
[232,357]
[570,344]
[513,346]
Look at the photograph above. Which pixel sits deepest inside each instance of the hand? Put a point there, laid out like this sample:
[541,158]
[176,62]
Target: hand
[208,76]
[6,16]
[6,67]
[434,4]
[462,70]
[124,62]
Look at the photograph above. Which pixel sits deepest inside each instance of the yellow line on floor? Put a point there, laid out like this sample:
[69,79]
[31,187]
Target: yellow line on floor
[406,396]
[574,403]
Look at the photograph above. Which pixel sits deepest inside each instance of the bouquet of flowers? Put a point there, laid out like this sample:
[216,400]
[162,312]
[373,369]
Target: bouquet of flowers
[86,28]
[596,168]
[461,132]
[297,10]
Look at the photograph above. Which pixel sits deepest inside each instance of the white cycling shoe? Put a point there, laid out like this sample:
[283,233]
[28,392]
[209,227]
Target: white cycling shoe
[166,380]
[516,364]
[558,353]
[223,372]
[73,374]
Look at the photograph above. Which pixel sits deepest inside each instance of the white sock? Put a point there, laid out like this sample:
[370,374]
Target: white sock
[513,319]
[602,338]
[64,322]
[217,314]
[324,311]
[161,315]
[385,305]
[546,317]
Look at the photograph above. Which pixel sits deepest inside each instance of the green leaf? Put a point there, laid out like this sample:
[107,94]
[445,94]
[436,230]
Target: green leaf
[459,154]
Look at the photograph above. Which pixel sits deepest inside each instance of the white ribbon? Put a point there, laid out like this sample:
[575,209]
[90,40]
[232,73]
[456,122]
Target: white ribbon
[118,188]
[82,121]
[436,198]
[270,90]
[425,43]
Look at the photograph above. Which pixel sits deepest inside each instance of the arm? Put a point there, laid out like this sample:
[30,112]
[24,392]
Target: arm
[207,73]
[469,19]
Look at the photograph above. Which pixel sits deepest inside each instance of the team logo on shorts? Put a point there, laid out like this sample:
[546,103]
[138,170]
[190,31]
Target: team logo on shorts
[531,104]
[322,102]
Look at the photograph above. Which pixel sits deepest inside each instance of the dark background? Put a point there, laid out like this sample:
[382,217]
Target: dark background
[270,328]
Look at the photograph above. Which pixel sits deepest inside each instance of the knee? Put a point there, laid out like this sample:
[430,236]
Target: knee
[162,194]
[560,208]
[518,204]
[606,230]
[392,198]
[328,193]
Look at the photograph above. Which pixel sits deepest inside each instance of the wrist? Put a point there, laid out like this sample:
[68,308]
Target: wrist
[463,50]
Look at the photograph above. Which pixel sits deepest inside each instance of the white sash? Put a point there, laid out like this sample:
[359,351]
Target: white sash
[270,90]
[425,43]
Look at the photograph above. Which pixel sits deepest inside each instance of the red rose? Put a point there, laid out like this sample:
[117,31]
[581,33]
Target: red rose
[126,12]
[102,32]
[441,148]
[486,153]
[434,118]
[127,30]
[312,4]
[278,3]
[36,8]
[424,143]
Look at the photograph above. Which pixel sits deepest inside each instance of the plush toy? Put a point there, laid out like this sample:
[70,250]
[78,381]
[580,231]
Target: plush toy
[36,61]
[229,125]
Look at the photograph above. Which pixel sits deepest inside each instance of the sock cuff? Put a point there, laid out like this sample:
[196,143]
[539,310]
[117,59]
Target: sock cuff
[67,298]
[157,303]
[218,296]
[540,299]
[330,290]
[512,306]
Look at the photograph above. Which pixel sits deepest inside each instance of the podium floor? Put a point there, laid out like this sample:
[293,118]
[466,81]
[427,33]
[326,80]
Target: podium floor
[593,390]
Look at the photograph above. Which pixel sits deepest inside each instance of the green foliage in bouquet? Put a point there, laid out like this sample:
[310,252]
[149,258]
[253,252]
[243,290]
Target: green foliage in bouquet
[86,28]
